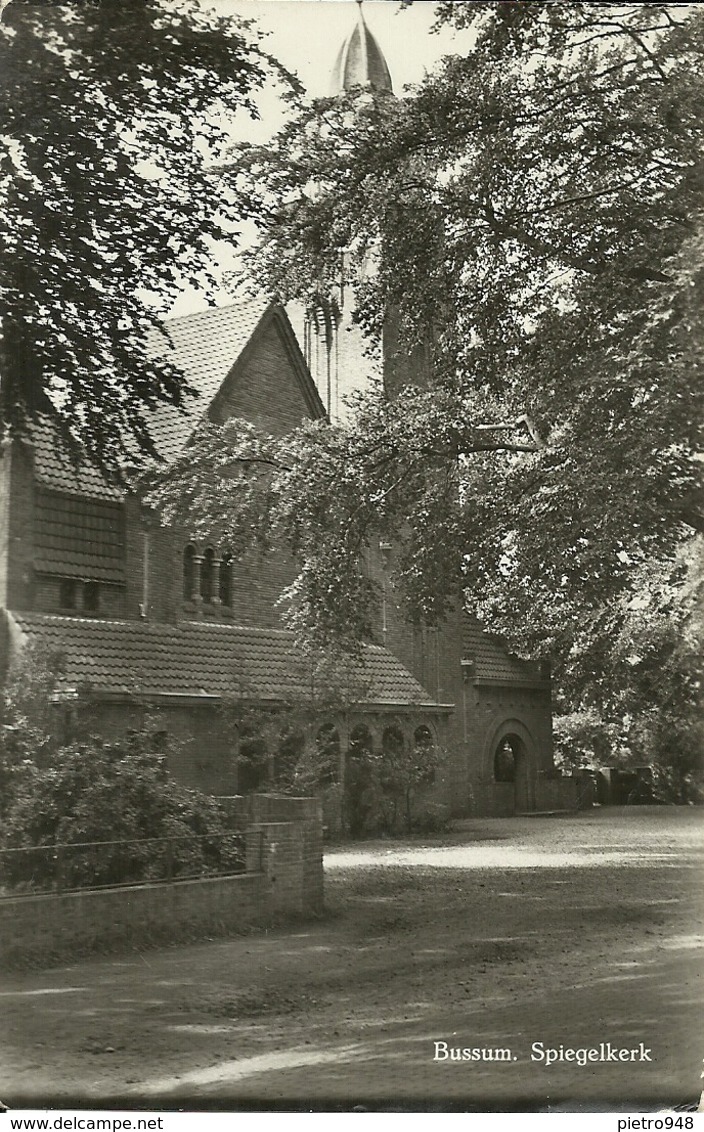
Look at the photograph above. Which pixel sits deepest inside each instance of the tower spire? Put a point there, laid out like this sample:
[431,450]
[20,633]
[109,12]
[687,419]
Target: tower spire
[360,61]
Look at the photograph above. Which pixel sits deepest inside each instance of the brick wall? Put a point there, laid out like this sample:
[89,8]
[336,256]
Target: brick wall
[149,584]
[205,757]
[268,386]
[564,792]
[202,755]
[432,655]
[257,584]
[495,711]
[39,929]
[266,390]
[164,548]
[284,878]
[47,598]
[305,814]
[16,519]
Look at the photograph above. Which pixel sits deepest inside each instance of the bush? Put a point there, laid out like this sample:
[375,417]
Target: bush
[28,709]
[122,795]
[386,792]
[433,817]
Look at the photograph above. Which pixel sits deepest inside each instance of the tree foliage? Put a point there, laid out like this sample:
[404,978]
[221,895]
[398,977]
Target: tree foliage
[112,113]
[642,679]
[534,210]
[28,716]
[95,812]
[533,217]
[110,813]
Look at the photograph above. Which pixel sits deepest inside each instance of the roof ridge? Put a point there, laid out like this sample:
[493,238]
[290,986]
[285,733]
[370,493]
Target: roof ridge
[68,619]
[210,310]
[232,626]
[144,623]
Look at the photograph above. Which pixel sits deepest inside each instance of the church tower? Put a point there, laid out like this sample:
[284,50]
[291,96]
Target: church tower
[339,356]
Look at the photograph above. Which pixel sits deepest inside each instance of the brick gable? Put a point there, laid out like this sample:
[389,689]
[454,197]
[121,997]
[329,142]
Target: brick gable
[270,385]
[243,360]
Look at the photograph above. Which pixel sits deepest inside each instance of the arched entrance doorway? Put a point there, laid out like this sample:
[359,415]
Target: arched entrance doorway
[512,768]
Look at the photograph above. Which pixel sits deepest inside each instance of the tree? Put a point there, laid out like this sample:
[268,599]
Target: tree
[112,114]
[27,719]
[95,812]
[110,813]
[534,211]
[642,704]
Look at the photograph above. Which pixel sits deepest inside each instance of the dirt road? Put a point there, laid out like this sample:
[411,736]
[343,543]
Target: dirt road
[583,932]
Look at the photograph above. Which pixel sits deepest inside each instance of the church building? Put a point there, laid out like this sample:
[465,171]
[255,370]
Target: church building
[148,621]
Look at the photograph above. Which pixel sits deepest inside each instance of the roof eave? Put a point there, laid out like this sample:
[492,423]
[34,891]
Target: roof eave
[194,699]
[511,682]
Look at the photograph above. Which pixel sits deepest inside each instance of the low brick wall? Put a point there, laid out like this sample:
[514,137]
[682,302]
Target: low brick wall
[306,814]
[498,800]
[284,878]
[39,928]
[557,794]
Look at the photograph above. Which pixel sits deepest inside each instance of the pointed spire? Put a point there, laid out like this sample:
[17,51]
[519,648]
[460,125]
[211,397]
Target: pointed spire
[360,61]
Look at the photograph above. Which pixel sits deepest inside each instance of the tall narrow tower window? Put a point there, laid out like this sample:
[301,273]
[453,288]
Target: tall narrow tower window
[206,575]
[189,573]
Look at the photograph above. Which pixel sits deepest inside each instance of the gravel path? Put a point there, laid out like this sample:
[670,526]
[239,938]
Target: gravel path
[576,931]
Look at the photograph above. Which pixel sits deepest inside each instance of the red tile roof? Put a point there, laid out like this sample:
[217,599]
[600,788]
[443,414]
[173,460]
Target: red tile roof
[491,659]
[205,346]
[195,658]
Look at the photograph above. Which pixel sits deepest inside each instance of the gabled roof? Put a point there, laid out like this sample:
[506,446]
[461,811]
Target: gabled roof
[210,347]
[199,659]
[207,347]
[491,659]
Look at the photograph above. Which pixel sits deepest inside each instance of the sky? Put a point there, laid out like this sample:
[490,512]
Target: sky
[306,35]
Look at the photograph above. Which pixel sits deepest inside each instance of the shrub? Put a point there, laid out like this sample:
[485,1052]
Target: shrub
[433,817]
[27,712]
[385,792]
[121,795]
